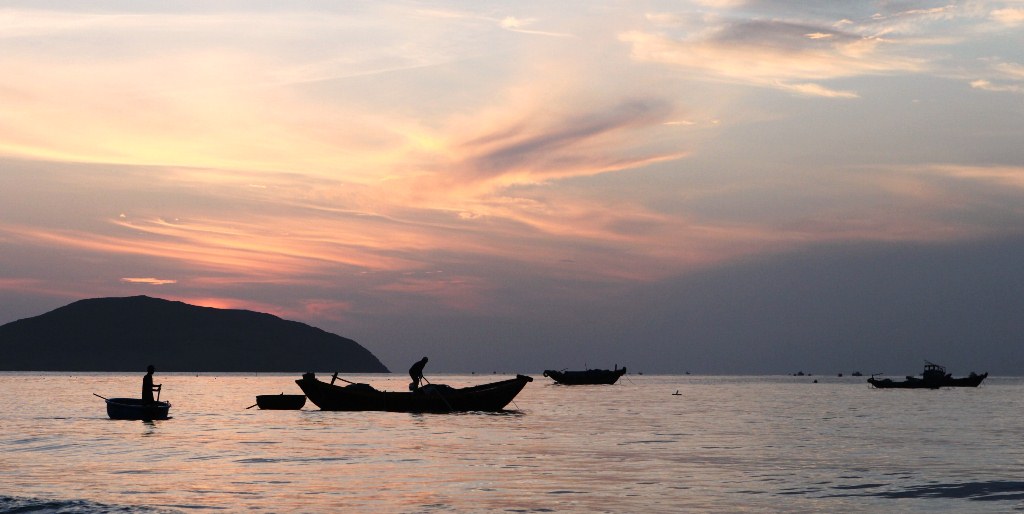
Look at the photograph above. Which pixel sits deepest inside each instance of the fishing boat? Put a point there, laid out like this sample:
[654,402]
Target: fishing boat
[136,409]
[588,377]
[934,376]
[490,397]
[280,401]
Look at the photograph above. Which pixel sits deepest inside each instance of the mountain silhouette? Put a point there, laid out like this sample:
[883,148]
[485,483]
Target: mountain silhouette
[127,334]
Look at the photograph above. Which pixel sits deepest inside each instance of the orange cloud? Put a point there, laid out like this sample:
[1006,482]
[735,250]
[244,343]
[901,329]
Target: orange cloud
[148,280]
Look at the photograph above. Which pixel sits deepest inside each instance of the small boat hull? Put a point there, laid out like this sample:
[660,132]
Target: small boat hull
[280,401]
[136,409]
[490,397]
[928,383]
[588,377]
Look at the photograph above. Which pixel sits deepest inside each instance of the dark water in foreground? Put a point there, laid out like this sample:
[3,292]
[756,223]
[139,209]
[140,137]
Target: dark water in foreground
[725,444]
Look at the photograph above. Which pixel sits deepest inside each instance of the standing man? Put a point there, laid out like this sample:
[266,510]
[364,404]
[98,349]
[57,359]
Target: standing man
[148,387]
[416,372]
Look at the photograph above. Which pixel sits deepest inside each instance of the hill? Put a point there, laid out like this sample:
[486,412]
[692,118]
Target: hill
[127,334]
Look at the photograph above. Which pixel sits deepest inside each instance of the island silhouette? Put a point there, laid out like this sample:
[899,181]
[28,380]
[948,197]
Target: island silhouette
[126,334]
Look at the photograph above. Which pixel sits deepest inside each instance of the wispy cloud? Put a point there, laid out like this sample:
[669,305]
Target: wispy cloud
[148,280]
[1000,76]
[1000,88]
[1012,176]
[565,147]
[774,54]
[1011,16]
[521,25]
[811,89]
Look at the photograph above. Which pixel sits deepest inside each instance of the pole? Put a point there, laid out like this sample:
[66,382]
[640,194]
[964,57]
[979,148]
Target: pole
[438,391]
[336,377]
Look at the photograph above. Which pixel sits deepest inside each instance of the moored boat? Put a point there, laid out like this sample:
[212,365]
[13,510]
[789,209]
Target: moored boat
[429,398]
[136,409]
[280,401]
[934,376]
[587,377]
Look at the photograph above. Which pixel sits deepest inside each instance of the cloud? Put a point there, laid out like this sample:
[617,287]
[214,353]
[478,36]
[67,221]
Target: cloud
[1010,69]
[565,147]
[722,4]
[999,88]
[1003,77]
[519,25]
[148,280]
[1011,16]
[811,89]
[1012,176]
[773,54]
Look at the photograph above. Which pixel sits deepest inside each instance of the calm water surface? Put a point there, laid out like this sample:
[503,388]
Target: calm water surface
[725,444]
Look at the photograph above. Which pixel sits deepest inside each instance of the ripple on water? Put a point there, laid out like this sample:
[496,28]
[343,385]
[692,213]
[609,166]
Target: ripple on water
[763,444]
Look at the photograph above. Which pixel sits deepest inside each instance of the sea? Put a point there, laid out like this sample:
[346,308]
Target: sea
[722,444]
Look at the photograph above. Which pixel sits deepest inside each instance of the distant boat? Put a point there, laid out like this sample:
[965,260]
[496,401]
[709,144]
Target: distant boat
[933,377]
[490,397]
[136,409]
[280,401]
[588,377]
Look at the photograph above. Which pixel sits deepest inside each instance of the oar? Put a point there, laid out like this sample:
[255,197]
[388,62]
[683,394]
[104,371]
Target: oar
[251,406]
[98,396]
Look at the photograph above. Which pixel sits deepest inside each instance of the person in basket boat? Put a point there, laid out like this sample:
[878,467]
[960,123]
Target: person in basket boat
[147,385]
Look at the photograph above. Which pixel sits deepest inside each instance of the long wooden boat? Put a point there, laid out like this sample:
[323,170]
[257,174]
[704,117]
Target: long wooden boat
[933,377]
[136,409]
[588,377]
[280,401]
[429,398]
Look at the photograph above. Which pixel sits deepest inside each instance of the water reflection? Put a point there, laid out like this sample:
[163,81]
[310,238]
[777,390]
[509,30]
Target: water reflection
[728,444]
[989,490]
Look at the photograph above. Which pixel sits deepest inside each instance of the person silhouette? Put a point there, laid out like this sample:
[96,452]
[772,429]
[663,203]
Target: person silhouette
[148,387]
[416,372]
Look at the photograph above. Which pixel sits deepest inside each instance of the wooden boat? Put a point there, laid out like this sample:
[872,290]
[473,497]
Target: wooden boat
[280,401]
[429,398]
[588,377]
[933,377]
[136,409]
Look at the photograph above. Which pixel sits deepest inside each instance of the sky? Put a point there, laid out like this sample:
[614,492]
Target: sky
[714,186]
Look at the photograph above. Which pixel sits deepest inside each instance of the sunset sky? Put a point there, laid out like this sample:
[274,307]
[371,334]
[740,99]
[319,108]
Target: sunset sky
[715,185]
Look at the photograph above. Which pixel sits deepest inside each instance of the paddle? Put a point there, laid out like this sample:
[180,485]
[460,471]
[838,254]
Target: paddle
[98,396]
